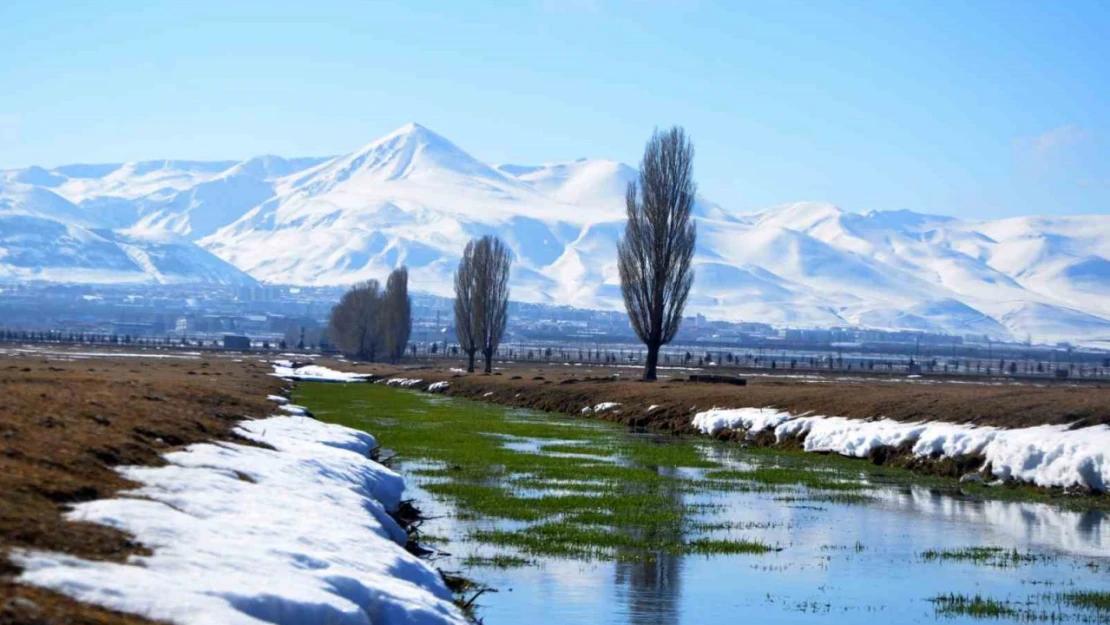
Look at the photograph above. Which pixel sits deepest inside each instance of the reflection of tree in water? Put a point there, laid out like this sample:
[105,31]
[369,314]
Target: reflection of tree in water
[651,585]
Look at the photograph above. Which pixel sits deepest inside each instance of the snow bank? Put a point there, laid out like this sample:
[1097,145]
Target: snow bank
[439,386]
[278,398]
[245,535]
[314,373]
[1046,455]
[751,419]
[602,407]
[403,382]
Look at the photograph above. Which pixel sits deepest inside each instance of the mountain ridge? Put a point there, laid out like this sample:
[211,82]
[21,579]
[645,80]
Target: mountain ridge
[414,197]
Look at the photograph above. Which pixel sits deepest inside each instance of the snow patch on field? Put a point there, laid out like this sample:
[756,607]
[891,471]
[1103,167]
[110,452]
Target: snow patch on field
[294,409]
[439,386]
[602,407]
[403,382]
[314,373]
[245,535]
[1046,455]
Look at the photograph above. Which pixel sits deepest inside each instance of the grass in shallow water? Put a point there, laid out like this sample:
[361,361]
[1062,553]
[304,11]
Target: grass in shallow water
[589,490]
[976,606]
[789,476]
[1095,601]
[499,561]
[985,556]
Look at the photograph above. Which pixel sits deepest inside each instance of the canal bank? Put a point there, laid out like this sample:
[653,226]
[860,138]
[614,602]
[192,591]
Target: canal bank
[1006,440]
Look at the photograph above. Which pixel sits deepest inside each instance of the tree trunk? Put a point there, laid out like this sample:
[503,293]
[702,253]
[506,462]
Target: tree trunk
[651,362]
[489,361]
[470,361]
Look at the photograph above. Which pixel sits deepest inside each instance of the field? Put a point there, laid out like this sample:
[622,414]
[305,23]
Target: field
[70,417]
[67,420]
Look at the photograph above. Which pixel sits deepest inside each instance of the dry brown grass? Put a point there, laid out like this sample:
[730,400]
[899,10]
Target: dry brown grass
[66,424]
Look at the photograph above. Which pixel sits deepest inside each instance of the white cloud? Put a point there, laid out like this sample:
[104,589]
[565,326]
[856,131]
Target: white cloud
[1052,144]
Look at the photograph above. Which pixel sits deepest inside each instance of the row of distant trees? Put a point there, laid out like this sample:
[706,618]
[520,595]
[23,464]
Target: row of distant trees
[654,255]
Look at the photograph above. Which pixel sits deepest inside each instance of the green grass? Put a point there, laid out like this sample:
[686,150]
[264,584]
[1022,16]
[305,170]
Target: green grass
[985,556]
[789,476]
[1097,601]
[615,495]
[975,606]
[712,546]
[499,561]
[585,450]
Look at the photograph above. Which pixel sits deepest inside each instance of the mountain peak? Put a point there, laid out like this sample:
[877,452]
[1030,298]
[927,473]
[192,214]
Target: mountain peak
[410,152]
[414,131]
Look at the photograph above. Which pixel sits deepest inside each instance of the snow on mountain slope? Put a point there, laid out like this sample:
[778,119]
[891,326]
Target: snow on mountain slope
[1045,320]
[44,237]
[141,179]
[598,183]
[413,197]
[33,247]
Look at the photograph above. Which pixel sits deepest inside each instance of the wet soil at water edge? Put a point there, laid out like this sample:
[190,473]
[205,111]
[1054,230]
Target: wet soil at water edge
[575,520]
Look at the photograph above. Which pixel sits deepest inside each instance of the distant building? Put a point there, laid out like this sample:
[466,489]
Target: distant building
[236,341]
[186,323]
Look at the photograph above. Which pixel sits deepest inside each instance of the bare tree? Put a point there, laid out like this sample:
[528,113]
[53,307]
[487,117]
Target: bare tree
[656,251]
[482,298]
[491,310]
[355,326]
[396,317]
[465,325]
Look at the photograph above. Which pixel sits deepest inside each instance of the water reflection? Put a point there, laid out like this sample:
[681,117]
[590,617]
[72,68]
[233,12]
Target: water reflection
[1084,533]
[651,587]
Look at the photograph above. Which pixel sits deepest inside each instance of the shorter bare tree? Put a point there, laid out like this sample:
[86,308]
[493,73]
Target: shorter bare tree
[355,324]
[482,298]
[492,293]
[396,317]
[657,250]
[465,325]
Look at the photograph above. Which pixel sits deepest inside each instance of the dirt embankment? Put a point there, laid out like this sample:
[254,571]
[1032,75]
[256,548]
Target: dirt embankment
[66,423]
[569,389]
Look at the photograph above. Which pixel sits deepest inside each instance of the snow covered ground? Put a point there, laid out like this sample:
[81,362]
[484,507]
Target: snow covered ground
[244,535]
[314,373]
[1046,455]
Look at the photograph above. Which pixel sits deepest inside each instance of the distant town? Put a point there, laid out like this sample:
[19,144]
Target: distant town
[270,317]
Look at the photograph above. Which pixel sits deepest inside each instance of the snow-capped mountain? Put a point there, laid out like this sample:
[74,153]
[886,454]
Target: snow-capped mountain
[45,237]
[413,197]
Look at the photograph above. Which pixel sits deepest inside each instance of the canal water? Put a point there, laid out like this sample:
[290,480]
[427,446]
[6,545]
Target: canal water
[691,531]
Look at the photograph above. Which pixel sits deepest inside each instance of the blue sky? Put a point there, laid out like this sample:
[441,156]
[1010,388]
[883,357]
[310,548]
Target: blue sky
[979,109]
